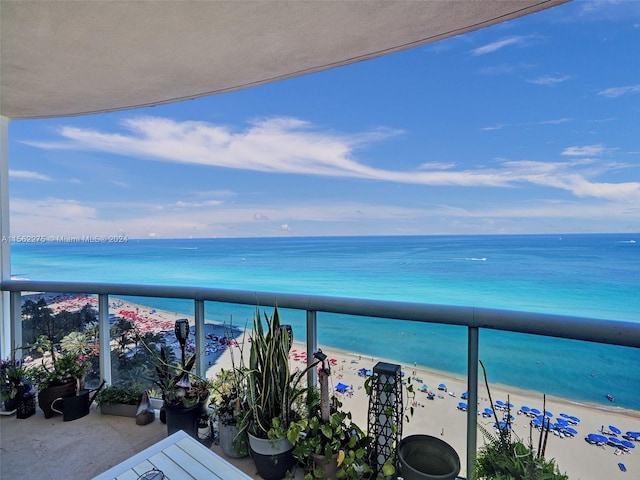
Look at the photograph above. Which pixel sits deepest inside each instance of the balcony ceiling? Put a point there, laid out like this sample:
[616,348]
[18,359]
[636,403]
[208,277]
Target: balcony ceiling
[61,58]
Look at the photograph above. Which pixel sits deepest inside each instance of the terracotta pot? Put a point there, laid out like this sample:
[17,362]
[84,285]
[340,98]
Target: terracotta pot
[329,468]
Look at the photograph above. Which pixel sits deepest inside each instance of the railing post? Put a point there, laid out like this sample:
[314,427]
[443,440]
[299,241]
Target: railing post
[201,368]
[15,307]
[104,336]
[312,345]
[472,401]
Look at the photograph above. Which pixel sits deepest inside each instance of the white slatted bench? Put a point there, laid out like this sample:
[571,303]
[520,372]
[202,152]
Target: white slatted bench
[179,457]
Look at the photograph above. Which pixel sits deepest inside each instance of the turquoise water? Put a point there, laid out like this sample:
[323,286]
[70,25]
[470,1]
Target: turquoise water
[583,275]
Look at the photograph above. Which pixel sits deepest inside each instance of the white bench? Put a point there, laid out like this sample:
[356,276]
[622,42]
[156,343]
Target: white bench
[178,457]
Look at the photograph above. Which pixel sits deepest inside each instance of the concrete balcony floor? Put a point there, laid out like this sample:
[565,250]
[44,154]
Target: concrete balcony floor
[51,449]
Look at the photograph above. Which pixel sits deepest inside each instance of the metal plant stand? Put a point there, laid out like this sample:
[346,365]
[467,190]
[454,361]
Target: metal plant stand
[384,424]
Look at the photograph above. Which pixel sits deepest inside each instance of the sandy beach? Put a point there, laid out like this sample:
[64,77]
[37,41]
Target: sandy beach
[440,416]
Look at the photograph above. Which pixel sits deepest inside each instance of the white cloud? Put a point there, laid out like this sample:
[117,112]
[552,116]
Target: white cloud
[436,166]
[495,46]
[500,126]
[289,145]
[285,227]
[584,151]
[53,208]
[29,175]
[615,92]
[549,80]
[208,203]
[260,217]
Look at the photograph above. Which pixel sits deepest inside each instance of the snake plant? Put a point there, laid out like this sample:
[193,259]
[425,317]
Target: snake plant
[272,389]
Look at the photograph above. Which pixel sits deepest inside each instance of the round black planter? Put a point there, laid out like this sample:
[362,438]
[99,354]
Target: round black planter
[180,418]
[273,458]
[423,457]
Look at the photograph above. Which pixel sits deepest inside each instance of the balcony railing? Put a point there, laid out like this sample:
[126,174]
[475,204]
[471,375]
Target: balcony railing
[613,332]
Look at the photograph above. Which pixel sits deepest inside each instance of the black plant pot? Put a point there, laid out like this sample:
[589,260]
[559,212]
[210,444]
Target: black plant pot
[180,418]
[273,458]
[423,457]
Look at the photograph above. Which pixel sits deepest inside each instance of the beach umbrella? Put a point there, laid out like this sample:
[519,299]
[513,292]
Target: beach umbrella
[510,405]
[462,405]
[634,435]
[525,409]
[627,444]
[547,413]
[564,415]
[571,431]
[562,421]
[595,438]
[614,430]
[442,386]
[536,422]
[464,395]
[574,419]
[488,411]
[535,411]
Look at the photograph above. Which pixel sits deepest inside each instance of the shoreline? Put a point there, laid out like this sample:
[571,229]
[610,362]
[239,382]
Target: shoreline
[440,417]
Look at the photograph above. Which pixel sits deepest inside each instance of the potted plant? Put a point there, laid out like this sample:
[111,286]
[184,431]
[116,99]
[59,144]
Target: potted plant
[273,392]
[185,394]
[327,442]
[332,448]
[16,391]
[58,375]
[119,400]
[506,456]
[229,393]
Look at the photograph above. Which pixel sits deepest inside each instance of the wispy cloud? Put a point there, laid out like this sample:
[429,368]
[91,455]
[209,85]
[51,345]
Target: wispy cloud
[584,151]
[615,92]
[500,126]
[500,44]
[29,175]
[549,80]
[293,146]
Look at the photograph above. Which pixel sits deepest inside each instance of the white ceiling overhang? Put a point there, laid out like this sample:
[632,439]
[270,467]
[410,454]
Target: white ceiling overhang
[61,58]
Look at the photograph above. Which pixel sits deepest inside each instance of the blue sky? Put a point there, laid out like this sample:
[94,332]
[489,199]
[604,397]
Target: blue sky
[531,126]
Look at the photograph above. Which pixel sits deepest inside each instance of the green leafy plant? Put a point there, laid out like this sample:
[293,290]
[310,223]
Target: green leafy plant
[337,438]
[13,380]
[272,390]
[229,392]
[180,387]
[57,368]
[116,394]
[505,457]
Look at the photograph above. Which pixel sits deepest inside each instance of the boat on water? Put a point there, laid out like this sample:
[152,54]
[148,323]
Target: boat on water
[610,397]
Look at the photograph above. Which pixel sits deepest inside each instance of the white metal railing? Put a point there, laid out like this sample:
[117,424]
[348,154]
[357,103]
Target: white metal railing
[614,332]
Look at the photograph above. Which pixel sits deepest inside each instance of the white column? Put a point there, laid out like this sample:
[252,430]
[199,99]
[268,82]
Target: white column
[5,253]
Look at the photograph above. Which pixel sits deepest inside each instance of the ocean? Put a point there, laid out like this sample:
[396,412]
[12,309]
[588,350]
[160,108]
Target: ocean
[590,275]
